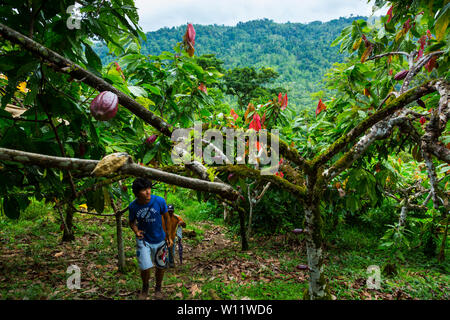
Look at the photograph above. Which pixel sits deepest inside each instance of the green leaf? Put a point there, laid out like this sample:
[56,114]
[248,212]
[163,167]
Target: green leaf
[442,22]
[138,91]
[153,89]
[93,60]
[99,200]
[149,156]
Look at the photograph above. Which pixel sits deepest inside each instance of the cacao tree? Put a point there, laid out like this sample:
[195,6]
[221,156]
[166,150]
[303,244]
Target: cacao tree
[364,106]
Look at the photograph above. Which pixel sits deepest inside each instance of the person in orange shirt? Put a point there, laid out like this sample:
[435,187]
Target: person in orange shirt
[174,224]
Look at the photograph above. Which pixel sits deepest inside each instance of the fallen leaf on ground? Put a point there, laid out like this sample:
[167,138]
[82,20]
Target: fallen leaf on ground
[179,295]
[195,290]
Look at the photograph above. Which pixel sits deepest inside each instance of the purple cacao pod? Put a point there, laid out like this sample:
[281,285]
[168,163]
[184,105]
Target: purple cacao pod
[401,75]
[104,106]
[302,267]
[151,139]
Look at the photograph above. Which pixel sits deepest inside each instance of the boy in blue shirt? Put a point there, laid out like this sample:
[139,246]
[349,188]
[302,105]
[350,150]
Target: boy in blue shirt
[145,220]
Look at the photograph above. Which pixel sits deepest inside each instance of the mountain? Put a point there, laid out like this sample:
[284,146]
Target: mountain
[300,53]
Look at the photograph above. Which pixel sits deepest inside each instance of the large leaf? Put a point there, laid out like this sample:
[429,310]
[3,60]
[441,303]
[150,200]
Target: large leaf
[442,22]
[138,91]
[94,62]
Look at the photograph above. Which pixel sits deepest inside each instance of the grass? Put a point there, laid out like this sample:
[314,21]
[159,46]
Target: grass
[34,262]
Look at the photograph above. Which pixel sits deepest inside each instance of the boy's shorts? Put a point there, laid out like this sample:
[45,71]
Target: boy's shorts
[146,253]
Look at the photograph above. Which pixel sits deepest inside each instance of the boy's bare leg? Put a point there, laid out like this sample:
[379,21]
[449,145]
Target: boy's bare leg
[145,275]
[159,275]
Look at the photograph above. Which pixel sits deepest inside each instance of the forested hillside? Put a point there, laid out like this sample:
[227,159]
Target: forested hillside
[300,53]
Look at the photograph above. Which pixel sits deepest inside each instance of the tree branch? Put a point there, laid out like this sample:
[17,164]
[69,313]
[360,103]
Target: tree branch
[86,167]
[396,104]
[379,131]
[244,171]
[437,124]
[388,54]
[61,64]
[413,69]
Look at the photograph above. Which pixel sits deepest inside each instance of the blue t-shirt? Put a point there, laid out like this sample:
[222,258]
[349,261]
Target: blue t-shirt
[149,218]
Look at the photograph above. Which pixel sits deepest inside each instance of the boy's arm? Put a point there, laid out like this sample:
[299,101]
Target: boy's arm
[166,218]
[133,226]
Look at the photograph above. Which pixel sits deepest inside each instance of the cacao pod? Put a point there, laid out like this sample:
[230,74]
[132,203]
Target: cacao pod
[422,120]
[297,231]
[82,149]
[401,75]
[151,139]
[302,267]
[104,106]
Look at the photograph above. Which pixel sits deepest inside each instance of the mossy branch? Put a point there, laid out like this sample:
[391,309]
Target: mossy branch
[86,167]
[392,106]
[244,171]
[379,131]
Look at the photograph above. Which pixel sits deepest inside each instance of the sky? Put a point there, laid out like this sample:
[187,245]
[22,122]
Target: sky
[156,14]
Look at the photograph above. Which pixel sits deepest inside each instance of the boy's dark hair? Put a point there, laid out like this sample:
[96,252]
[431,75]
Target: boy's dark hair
[140,184]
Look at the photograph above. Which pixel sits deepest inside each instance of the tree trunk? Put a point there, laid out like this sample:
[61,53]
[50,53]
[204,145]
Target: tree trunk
[441,255]
[317,285]
[243,231]
[120,251]
[249,227]
[68,230]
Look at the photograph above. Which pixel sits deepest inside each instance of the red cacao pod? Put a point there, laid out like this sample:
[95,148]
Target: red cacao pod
[422,120]
[401,75]
[104,106]
[189,39]
[151,139]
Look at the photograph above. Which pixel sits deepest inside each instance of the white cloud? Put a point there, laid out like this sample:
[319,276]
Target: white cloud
[156,14]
